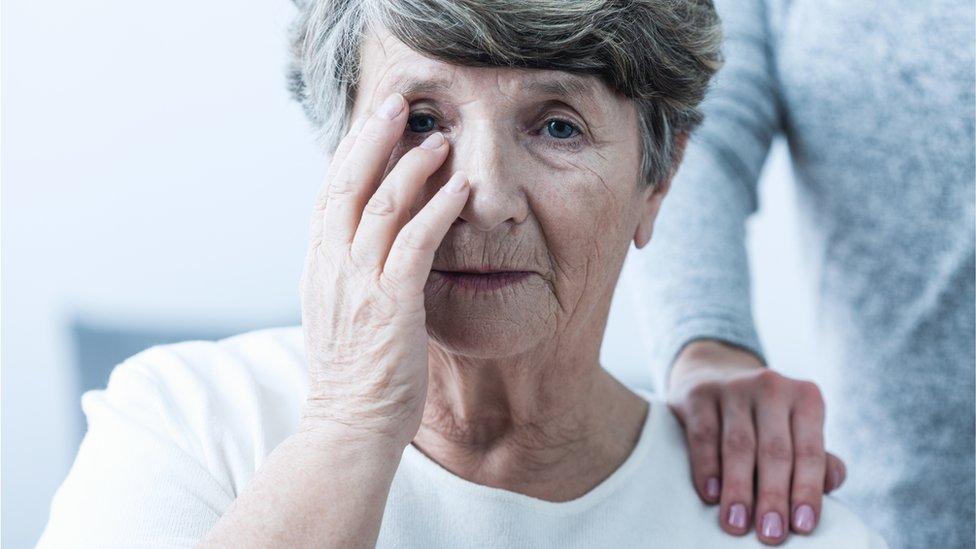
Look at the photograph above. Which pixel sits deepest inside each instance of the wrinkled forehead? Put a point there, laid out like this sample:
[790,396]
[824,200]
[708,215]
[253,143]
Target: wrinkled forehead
[389,65]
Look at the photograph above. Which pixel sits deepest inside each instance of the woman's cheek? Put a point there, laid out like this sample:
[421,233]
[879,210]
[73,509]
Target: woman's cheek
[554,157]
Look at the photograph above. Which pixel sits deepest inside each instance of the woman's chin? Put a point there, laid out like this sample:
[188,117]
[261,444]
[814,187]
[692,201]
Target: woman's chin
[482,339]
[486,325]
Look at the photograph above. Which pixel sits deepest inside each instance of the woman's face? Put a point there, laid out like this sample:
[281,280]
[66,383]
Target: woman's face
[553,161]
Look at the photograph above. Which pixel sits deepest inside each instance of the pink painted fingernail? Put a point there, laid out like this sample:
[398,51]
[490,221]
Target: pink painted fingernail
[391,107]
[712,488]
[737,516]
[434,141]
[772,525]
[803,518]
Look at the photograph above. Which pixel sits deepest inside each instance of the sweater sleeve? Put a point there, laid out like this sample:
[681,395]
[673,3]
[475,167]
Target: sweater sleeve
[693,277]
[136,480]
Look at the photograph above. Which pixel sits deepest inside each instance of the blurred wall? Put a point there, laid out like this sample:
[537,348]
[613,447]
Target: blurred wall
[157,176]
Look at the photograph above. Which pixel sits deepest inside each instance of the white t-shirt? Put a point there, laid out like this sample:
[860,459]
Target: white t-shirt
[181,429]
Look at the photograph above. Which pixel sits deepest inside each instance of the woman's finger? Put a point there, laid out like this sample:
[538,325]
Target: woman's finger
[810,460]
[338,159]
[738,463]
[775,466]
[836,473]
[412,255]
[388,210]
[361,171]
[703,430]
[322,198]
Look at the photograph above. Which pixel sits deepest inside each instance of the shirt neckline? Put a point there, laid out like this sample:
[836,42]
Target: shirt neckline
[415,459]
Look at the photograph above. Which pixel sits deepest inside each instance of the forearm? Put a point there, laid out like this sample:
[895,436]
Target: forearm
[693,278]
[694,274]
[318,488]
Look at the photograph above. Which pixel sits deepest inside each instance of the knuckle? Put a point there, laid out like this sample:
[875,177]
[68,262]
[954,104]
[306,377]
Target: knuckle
[341,188]
[809,451]
[769,381]
[362,263]
[704,434]
[771,494]
[738,441]
[415,237]
[703,391]
[321,201]
[738,387]
[806,492]
[809,394]
[382,203]
[738,489]
[775,449]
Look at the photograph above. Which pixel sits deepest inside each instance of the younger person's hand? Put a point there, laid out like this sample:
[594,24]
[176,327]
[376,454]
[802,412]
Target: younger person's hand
[755,440]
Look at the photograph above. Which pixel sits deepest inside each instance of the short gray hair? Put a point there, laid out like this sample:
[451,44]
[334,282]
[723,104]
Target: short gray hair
[659,53]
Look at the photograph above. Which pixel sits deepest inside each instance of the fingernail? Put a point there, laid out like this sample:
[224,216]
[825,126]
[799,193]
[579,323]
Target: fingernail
[803,518]
[834,478]
[434,141]
[772,525]
[737,516]
[457,182]
[712,488]
[391,107]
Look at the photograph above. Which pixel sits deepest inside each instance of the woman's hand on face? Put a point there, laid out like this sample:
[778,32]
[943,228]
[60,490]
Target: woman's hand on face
[362,289]
[753,431]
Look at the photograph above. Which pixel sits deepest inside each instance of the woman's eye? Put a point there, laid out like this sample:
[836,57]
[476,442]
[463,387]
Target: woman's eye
[421,123]
[560,129]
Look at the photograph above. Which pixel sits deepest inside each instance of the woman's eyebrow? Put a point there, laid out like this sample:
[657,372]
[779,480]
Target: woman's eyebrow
[561,87]
[576,91]
[565,87]
[409,86]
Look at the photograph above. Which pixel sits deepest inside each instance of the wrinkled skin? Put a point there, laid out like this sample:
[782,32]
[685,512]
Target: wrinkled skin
[536,202]
[484,382]
[565,211]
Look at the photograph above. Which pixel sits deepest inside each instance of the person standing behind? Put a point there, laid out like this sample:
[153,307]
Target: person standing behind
[876,102]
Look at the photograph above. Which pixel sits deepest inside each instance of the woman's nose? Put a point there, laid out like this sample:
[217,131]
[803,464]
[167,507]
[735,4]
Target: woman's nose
[491,164]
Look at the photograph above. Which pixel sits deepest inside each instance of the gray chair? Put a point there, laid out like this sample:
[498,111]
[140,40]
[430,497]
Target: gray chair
[100,346]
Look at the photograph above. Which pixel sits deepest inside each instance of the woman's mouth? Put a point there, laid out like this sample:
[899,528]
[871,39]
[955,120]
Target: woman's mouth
[483,281]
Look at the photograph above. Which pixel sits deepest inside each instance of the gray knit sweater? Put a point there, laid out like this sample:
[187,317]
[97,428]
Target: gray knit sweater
[876,101]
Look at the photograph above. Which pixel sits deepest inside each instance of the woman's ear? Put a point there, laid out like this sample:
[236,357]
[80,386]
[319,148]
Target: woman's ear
[653,196]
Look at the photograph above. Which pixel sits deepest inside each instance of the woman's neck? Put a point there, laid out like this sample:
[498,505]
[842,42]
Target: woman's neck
[552,431]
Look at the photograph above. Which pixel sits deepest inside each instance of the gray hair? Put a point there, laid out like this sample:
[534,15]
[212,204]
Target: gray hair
[659,53]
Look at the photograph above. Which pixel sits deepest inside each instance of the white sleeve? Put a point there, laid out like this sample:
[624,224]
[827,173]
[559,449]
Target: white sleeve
[135,481]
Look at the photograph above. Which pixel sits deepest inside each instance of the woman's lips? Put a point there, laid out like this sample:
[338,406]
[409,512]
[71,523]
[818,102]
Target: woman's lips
[484,281]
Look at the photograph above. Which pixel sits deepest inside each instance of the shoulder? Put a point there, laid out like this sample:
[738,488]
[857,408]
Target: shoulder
[215,376]
[227,402]
[269,358]
[179,427]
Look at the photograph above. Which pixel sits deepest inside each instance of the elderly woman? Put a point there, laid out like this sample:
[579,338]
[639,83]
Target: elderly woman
[444,388]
